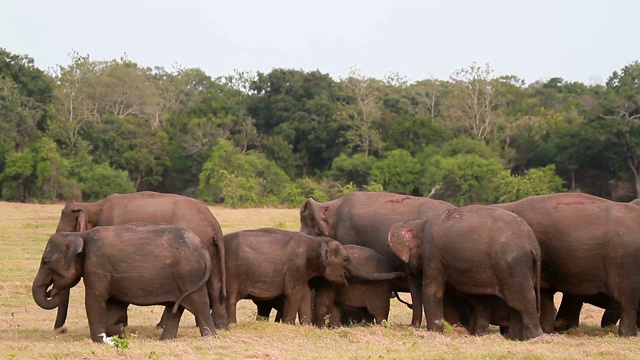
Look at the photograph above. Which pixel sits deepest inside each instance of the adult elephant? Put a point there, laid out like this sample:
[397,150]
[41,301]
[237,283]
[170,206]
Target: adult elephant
[294,258]
[610,317]
[590,249]
[489,257]
[171,209]
[136,263]
[364,218]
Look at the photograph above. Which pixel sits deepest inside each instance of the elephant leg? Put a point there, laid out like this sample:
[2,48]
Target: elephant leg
[516,326]
[610,318]
[232,303]
[304,308]
[96,308]
[456,308]
[171,326]
[547,310]
[433,286]
[165,316]
[264,310]
[568,316]
[628,317]
[323,302]
[415,287]
[219,313]
[117,318]
[379,311]
[335,318]
[480,319]
[198,304]
[521,297]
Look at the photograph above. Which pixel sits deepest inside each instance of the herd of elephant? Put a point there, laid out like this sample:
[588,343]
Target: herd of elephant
[474,265]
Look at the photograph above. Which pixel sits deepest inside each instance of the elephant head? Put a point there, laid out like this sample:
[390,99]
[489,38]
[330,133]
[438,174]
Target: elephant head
[338,265]
[405,240]
[318,219]
[60,268]
[73,218]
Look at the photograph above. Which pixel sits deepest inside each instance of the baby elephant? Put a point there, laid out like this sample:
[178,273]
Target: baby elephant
[263,264]
[136,263]
[361,301]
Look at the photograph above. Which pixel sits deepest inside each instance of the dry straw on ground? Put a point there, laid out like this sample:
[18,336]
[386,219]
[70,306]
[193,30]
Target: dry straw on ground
[26,330]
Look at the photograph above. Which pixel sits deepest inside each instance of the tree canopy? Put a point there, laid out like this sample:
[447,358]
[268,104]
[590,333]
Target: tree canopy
[94,127]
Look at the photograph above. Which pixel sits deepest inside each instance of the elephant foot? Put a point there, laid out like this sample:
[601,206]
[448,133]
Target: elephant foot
[117,329]
[60,330]
[562,326]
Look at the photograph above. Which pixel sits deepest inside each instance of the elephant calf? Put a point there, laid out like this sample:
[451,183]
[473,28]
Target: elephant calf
[360,301]
[137,263]
[264,264]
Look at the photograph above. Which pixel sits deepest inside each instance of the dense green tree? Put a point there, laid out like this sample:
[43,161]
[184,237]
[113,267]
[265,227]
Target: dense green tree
[397,172]
[461,179]
[354,169]
[244,179]
[300,108]
[133,145]
[538,181]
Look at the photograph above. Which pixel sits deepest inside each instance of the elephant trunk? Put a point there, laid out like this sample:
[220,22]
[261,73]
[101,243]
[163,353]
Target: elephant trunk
[356,272]
[45,299]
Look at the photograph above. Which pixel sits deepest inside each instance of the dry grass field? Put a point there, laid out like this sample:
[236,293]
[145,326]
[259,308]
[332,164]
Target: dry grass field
[26,331]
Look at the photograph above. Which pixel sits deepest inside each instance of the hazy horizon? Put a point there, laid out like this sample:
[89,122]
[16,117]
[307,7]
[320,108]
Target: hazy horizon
[535,40]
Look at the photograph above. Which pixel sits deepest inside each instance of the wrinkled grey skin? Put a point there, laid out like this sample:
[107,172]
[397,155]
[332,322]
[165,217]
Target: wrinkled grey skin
[137,263]
[364,301]
[172,209]
[611,316]
[294,258]
[480,250]
[405,240]
[589,249]
[364,218]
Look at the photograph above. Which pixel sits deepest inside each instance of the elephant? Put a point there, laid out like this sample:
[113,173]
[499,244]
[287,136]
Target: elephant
[263,264]
[172,209]
[137,263]
[610,317]
[360,301]
[364,218]
[480,250]
[405,240]
[590,247]
[408,240]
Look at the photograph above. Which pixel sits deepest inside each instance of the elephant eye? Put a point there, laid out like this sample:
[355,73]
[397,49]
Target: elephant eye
[346,259]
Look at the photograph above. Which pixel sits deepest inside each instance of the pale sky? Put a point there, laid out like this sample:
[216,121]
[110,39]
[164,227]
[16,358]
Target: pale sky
[578,40]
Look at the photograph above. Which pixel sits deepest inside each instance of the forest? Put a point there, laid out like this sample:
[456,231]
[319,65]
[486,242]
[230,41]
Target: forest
[90,128]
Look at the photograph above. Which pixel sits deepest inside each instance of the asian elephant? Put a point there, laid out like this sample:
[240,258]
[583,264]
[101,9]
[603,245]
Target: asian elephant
[405,240]
[364,218]
[172,209]
[263,264]
[362,300]
[480,250]
[590,252]
[138,263]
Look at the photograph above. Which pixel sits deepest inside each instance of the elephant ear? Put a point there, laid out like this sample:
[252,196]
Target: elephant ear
[81,220]
[399,241]
[73,247]
[314,215]
[324,253]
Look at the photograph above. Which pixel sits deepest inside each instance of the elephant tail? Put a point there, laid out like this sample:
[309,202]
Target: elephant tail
[397,296]
[203,282]
[219,242]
